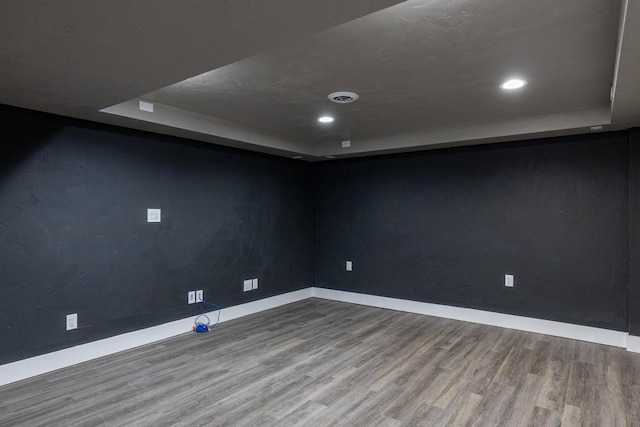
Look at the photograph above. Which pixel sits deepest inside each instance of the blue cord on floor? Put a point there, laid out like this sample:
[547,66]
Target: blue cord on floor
[217,317]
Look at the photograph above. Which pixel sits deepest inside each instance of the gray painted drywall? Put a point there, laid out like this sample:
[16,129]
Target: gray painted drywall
[634,231]
[74,236]
[440,226]
[446,226]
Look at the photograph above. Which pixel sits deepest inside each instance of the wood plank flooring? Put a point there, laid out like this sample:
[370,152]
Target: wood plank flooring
[323,363]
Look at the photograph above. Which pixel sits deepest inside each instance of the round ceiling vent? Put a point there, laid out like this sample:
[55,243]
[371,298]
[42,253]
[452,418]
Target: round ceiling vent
[343,97]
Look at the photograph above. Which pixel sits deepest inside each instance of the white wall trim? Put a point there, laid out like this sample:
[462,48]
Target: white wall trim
[529,324]
[26,368]
[23,369]
[633,344]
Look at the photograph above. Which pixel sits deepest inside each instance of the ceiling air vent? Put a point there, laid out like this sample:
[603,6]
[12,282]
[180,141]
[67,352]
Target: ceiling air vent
[343,97]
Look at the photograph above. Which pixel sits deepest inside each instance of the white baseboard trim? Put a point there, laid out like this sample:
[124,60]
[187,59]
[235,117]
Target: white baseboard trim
[633,344]
[529,324]
[26,368]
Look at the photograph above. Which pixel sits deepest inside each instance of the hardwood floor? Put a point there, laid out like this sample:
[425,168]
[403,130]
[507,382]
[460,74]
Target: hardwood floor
[319,363]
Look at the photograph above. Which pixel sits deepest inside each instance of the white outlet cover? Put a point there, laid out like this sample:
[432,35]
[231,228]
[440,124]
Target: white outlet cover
[349,266]
[254,284]
[72,321]
[191,297]
[346,144]
[153,215]
[248,285]
[199,295]
[508,280]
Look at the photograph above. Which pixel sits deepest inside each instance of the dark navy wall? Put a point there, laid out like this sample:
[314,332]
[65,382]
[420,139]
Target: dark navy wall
[442,226]
[446,226]
[74,236]
[634,231]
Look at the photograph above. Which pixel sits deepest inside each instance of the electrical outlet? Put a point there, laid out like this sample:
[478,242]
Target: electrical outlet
[349,266]
[508,280]
[153,215]
[248,285]
[254,283]
[72,321]
[199,295]
[191,297]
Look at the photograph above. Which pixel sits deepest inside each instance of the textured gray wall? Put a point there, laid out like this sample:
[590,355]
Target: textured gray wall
[445,226]
[74,236]
[439,226]
[634,231]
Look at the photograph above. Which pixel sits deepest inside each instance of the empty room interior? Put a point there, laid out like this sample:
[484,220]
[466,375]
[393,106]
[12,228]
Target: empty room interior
[356,213]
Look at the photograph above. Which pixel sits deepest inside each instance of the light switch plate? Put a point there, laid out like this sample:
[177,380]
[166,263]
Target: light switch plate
[199,295]
[254,283]
[248,285]
[72,321]
[153,215]
[346,144]
[349,266]
[191,297]
[508,280]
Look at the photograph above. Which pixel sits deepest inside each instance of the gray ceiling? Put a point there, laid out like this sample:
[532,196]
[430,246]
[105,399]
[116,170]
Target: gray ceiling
[256,75]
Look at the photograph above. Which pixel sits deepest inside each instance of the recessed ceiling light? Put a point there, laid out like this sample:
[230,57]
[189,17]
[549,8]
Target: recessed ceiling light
[329,157]
[513,84]
[596,127]
[325,119]
[296,157]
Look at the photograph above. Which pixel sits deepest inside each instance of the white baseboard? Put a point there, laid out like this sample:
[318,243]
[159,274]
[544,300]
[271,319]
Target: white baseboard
[529,324]
[26,368]
[22,369]
[633,344]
